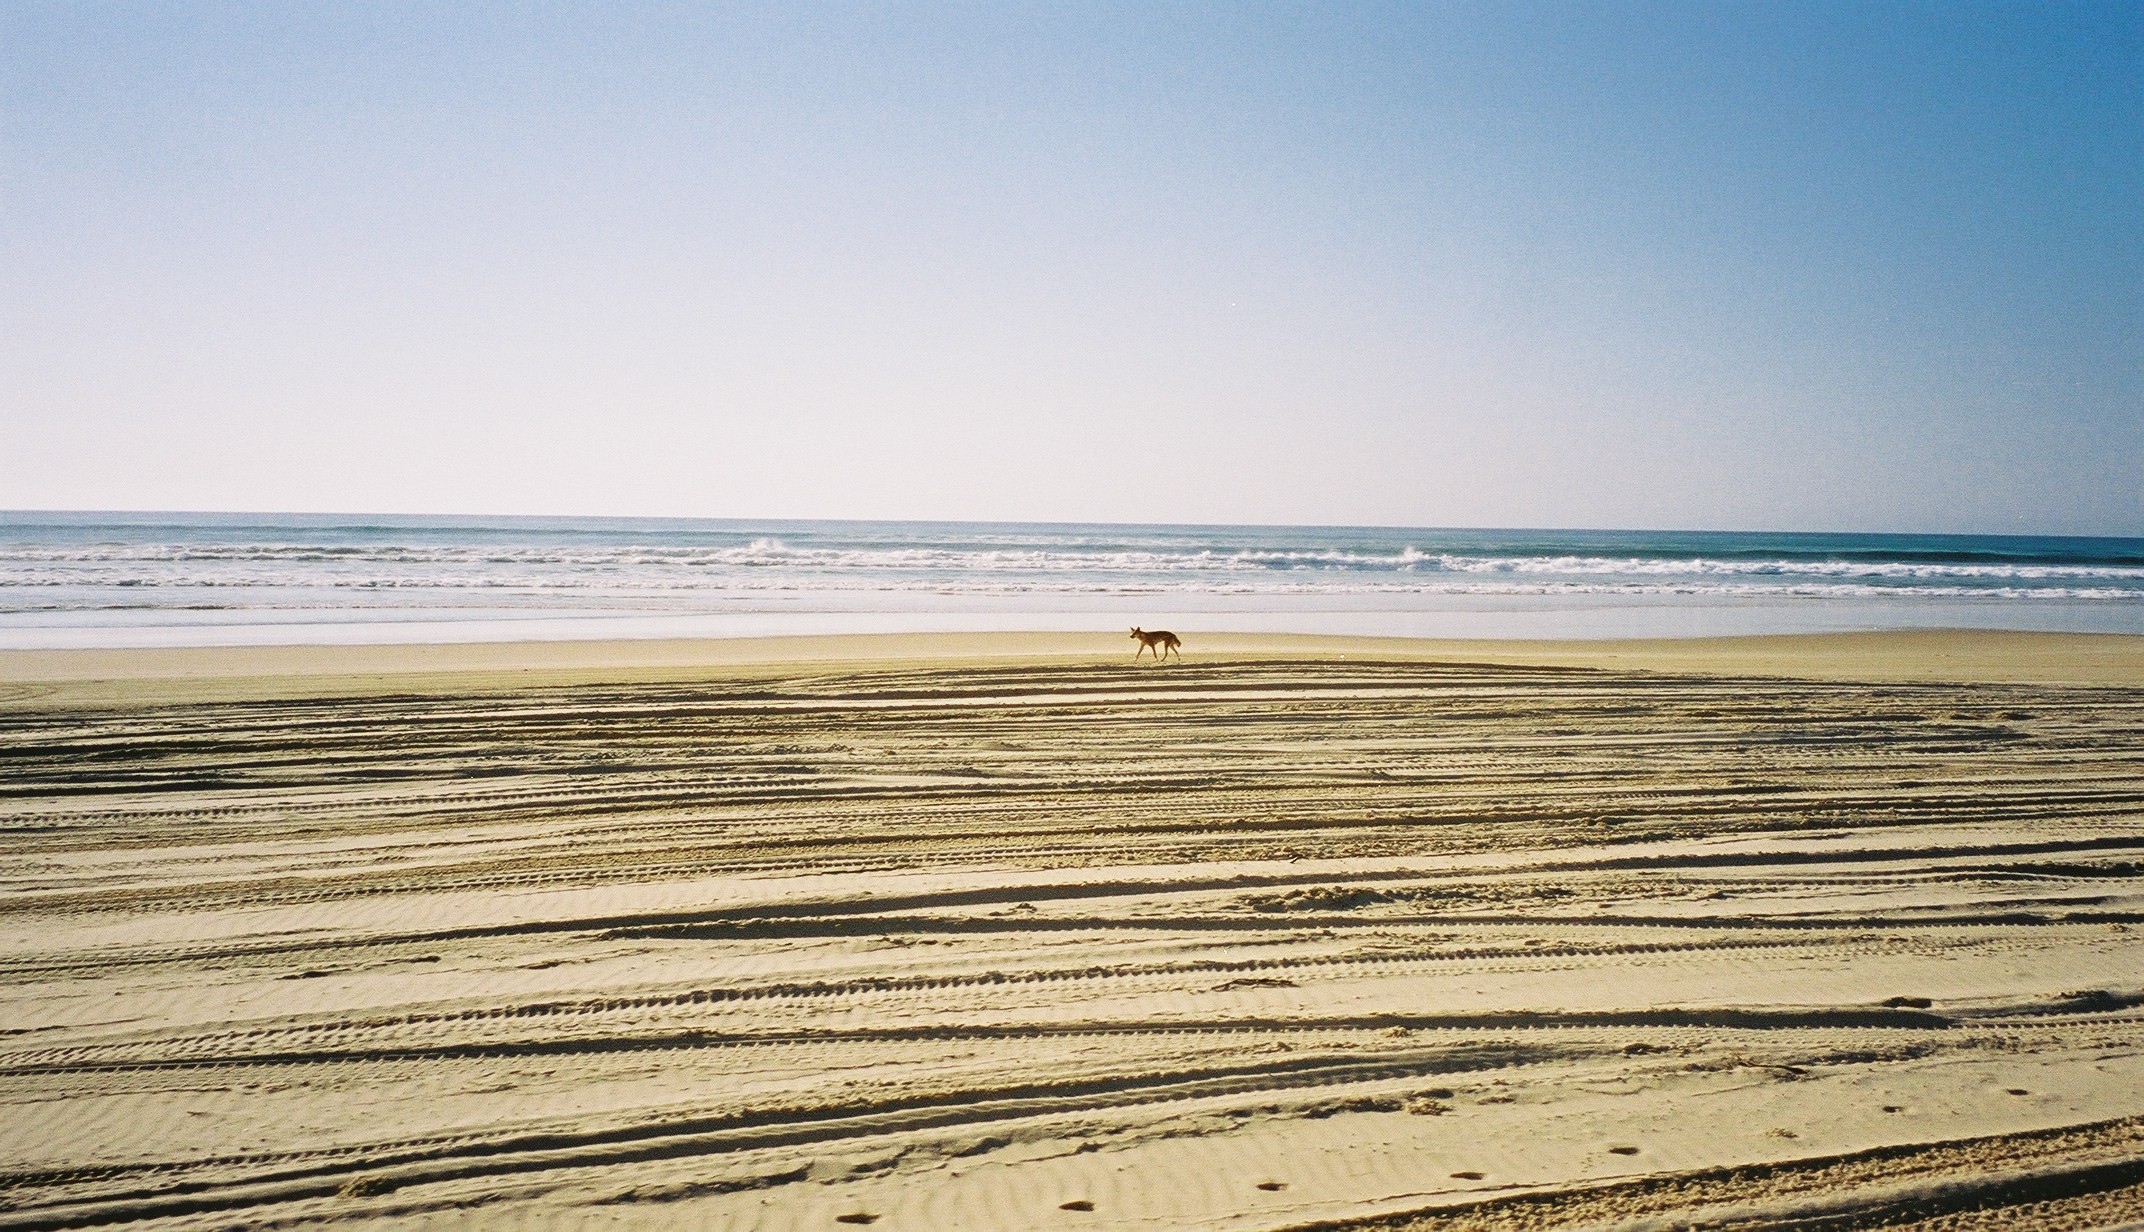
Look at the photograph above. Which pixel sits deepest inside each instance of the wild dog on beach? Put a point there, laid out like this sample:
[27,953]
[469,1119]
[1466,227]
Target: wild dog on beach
[1161,638]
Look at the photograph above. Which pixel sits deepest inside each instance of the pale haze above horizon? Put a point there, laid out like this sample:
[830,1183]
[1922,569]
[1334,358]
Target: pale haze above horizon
[1857,267]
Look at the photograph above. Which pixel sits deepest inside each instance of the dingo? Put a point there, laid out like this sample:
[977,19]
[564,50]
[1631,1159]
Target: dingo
[1159,638]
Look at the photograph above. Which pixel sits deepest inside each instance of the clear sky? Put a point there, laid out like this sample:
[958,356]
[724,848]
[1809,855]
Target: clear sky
[1721,265]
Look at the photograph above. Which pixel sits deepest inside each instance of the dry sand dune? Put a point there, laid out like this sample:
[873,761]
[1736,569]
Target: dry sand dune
[1259,941]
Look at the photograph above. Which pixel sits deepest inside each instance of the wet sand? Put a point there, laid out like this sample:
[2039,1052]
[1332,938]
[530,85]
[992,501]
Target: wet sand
[929,933]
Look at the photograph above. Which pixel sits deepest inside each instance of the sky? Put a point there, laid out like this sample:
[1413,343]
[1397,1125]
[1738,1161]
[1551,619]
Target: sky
[1720,265]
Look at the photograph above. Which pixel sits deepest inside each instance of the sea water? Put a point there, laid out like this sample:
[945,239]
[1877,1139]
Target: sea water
[90,579]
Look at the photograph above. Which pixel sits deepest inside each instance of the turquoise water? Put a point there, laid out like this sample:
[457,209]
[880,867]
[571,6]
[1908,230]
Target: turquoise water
[128,579]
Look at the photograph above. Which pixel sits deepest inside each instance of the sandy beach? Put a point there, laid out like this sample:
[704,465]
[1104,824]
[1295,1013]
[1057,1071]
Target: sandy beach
[1009,931]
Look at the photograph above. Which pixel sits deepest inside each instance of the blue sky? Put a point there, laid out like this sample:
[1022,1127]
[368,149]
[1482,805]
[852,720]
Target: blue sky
[1720,265]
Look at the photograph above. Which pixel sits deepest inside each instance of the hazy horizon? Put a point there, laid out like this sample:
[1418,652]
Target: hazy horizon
[1825,267]
[494,515]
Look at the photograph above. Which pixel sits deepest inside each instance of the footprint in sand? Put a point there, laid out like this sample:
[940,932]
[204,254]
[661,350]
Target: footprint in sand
[365,1187]
[2015,1091]
[1467,1176]
[857,1217]
[1077,1204]
[1622,1150]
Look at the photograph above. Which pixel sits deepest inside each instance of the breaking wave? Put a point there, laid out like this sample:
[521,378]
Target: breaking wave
[52,565]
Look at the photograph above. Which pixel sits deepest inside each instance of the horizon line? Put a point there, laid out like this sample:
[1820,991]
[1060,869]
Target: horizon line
[940,521]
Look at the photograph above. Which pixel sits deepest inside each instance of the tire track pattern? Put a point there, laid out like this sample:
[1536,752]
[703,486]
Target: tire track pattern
[1086,898]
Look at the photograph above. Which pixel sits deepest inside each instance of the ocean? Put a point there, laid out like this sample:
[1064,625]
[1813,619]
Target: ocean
[136,579]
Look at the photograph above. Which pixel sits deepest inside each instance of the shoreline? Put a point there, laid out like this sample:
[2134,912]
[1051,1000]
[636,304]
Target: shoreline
[206,673]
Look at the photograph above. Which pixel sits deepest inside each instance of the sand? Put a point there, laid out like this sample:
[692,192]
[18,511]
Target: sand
[1008,932]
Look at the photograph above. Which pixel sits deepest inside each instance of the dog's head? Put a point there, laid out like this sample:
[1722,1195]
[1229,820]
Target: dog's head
[1136,630]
